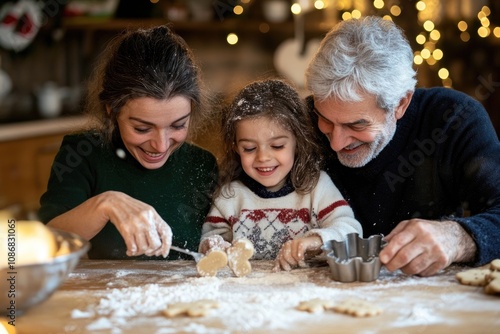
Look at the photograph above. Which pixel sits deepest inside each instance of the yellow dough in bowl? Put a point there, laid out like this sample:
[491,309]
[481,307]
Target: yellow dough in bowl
[5,327]
[29,241]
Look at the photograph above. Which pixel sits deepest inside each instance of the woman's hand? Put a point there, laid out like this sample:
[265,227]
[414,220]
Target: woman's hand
[294,252]
[141,227]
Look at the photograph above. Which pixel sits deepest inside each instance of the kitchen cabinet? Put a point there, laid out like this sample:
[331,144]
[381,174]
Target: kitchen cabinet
[26,154]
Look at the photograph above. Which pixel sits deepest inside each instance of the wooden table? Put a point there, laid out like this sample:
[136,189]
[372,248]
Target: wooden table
[128,297]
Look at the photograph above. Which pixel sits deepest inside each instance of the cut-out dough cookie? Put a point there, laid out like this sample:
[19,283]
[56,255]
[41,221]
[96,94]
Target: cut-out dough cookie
[238,255]
[198,308]
[315,305]
[493,287]
[492,276]
[357,308]
[211,263]
[475,277]
[495,265]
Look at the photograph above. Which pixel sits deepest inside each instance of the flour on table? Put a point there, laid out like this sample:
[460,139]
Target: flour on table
[78,314]
[100,324]
[418,315]
[121,273]
[234,307]
[267,301]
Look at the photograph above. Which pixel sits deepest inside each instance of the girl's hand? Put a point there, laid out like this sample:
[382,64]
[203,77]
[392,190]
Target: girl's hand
[141,227]
[293,252]
[213,241]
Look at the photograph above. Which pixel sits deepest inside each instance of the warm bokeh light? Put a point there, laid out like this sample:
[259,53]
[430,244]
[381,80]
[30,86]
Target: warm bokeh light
[447,83]
[428,25]
[496,32]
[395,10]
[465,36]
[430,46]
[356,14]
[379,4]
[418,60]
[421,39]
[319,4]
[296,9]
[483,32]
[485,22]
[425,53]
[431,61]
[462,25]
[232,38]
[443,73]
[420,5]
[238,10]
[437,54]
[435,35]
[346,16]
[264,27]
[340,5]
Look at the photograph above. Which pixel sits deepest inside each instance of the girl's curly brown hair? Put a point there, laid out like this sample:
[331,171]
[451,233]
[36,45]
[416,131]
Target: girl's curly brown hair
[279,102]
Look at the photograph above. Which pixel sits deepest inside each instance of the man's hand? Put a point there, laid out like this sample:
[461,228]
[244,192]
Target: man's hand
[424,247]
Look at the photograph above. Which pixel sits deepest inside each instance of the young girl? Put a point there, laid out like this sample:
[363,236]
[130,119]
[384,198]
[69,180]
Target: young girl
[272,191]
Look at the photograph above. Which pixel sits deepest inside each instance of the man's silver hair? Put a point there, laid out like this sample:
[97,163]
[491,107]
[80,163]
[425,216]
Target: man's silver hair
[369,55]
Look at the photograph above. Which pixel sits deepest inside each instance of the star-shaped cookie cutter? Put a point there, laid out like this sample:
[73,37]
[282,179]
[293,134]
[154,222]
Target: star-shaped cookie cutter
[355,259]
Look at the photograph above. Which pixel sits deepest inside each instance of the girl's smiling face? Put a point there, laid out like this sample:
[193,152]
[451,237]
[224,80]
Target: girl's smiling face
[267,151]
[153,129]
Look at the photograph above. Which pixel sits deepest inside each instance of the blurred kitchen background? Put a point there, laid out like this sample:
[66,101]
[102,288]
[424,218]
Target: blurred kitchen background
[47,50]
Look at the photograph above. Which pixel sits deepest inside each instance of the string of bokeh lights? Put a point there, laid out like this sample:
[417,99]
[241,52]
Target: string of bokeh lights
[429,17]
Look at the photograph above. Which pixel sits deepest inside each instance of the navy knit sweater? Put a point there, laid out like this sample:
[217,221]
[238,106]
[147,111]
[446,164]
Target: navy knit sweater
[442,164]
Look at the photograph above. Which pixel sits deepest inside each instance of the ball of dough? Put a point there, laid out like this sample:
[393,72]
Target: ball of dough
[29,241]
[6,328]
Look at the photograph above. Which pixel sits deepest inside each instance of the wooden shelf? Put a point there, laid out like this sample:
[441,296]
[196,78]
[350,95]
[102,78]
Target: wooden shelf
[226,25]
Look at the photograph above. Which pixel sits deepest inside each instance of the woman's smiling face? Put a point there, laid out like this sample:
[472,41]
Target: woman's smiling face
[153,129]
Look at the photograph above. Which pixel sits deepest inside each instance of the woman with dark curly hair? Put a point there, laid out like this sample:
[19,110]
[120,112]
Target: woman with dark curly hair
[133,183]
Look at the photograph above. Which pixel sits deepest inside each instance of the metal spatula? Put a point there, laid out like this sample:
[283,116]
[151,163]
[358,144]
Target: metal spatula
[195,255]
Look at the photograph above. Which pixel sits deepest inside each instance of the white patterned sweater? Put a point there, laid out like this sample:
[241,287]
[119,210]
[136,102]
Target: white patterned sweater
[270,222]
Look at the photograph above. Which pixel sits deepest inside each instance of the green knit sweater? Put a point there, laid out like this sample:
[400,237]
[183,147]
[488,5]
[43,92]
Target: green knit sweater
[180,191]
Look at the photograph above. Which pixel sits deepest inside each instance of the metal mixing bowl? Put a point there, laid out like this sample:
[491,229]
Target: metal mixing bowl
[25,286]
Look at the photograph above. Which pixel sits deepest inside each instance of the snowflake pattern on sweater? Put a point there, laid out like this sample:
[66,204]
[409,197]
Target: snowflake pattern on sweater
[268,222]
